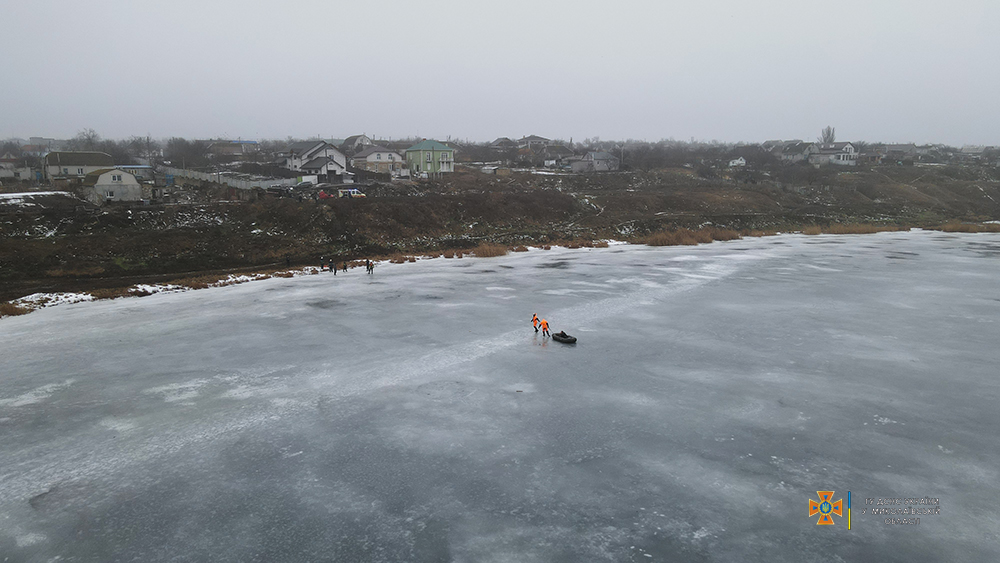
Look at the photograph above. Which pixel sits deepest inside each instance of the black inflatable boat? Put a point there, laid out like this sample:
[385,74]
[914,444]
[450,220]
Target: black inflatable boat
[564,338]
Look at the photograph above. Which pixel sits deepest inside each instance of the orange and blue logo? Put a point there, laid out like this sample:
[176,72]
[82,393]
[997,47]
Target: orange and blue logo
[826,507]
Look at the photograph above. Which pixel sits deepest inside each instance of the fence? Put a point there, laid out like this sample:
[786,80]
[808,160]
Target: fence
[227,180]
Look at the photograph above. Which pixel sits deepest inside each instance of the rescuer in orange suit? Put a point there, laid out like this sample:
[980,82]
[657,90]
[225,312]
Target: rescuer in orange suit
[545,328]
[534,321]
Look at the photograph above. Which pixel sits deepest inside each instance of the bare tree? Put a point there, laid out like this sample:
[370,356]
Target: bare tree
[829,135]
[144,147]
[85,140]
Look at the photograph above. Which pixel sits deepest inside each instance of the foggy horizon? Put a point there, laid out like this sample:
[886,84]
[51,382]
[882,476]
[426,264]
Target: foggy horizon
[719,71]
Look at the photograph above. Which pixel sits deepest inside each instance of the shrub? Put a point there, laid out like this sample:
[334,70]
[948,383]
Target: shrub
[546,247]
[411,259]
[521,248]
[812,230]
[487,250]
[458,254]
[449,253]
[600,244]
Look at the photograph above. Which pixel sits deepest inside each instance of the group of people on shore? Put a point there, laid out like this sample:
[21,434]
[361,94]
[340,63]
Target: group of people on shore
[331,266]
[324,266]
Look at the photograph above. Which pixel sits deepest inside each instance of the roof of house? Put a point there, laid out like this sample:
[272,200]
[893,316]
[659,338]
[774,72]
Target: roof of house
[557,150]
[533,138]
[502,141]
[92,178]
[430,145]
[317,163]
[303,146]
[795,148]
[372,150]
[79,158]
[353,139]
[833,148]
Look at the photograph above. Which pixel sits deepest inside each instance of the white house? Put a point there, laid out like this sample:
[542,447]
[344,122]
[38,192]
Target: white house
[797,151]
[840,154]
[532,142]
[593,161]
[314,157]
[737,162]
[73,167]
[355,144]
[112,184]
[379,159]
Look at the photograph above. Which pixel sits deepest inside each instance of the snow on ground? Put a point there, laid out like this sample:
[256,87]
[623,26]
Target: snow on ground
[39,300]
[414,415]
[22,199]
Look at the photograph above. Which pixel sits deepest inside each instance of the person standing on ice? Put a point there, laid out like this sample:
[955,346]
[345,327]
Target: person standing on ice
[534,321]
[545,328]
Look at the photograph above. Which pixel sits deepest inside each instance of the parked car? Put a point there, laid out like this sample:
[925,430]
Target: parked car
[301,185]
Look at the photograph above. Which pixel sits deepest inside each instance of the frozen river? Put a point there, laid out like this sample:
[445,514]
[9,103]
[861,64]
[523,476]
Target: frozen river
[414,415]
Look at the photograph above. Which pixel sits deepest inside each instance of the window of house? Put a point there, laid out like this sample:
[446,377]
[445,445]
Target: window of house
[116,177]
[391,157]
[378,156]
[65,170]
[428,157]
[79,170]
[110,193]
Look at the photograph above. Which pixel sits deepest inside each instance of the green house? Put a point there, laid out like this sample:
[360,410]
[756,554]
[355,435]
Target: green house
[430,157]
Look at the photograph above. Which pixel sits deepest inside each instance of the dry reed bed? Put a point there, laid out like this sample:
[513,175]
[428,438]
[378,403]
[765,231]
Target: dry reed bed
[682,236]
[8,309]
[969,228]
[851,229]
[489,250]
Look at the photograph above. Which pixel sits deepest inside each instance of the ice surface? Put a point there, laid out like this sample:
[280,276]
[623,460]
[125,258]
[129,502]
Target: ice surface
[414,415]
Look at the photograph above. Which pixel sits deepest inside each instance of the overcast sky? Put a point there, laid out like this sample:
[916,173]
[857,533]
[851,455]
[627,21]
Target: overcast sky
[731,70]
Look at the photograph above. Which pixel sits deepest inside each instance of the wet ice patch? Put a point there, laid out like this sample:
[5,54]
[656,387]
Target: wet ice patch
[177,392]
[499,288]
[821,268]
[29,539]
[35,395]
[117,424]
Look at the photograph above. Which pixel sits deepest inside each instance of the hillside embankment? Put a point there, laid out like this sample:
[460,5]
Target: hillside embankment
[59,245]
